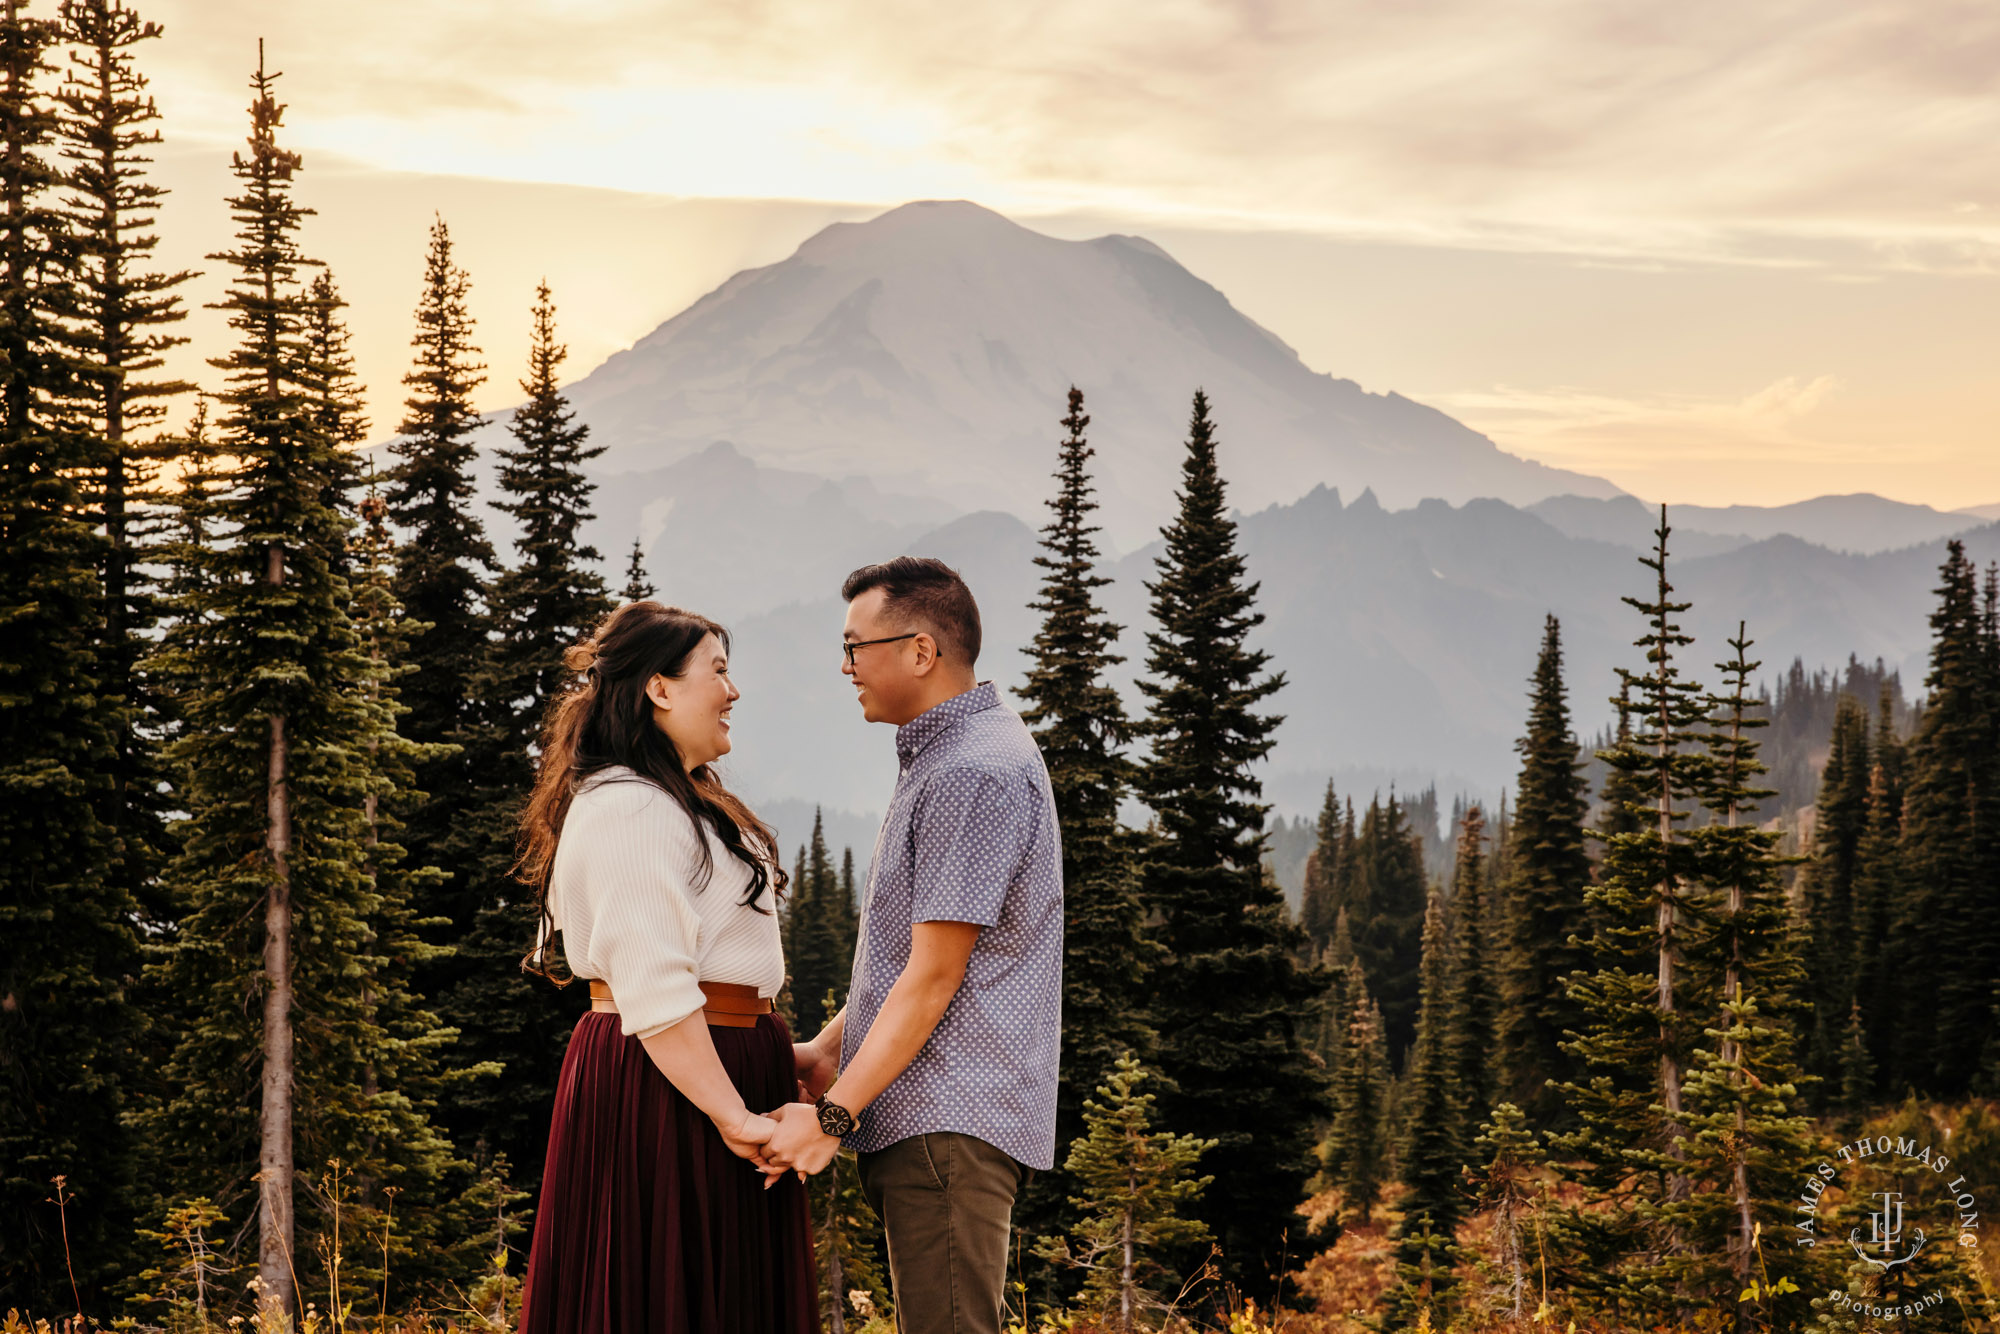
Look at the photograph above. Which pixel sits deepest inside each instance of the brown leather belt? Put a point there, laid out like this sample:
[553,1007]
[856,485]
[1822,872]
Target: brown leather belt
[726,1004]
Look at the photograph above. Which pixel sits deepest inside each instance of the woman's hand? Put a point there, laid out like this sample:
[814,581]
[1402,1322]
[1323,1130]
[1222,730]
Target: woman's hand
[799,1143]
[748,1136]
[817,1069]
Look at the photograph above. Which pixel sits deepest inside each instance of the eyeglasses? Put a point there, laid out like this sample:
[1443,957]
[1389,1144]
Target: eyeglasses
[848,647]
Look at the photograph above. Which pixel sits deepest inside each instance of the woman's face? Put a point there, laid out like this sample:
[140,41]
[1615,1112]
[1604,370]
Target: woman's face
[693,708]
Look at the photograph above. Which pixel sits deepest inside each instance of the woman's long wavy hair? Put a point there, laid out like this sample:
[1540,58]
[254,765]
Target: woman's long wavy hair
[604,718]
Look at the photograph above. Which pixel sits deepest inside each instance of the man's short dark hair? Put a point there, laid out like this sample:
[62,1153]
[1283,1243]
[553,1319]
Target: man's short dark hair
[925,594]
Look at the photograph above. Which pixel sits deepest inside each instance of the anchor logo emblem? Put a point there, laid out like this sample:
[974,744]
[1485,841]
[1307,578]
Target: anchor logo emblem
[1885,1233]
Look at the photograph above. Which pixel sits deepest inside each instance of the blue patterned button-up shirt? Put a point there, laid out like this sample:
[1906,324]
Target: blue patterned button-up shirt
[971,836]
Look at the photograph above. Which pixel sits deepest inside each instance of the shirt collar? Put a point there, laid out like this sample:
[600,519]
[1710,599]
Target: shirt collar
[933,722]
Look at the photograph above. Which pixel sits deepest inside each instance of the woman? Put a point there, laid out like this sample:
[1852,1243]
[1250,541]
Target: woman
[656,1216]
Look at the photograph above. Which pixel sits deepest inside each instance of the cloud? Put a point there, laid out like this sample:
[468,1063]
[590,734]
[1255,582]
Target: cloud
[1666,447]
[1840,134]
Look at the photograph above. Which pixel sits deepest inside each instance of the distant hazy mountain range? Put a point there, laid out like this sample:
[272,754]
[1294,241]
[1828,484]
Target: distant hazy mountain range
[895,386]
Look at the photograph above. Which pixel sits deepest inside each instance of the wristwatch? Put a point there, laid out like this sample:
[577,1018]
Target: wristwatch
[834,1119]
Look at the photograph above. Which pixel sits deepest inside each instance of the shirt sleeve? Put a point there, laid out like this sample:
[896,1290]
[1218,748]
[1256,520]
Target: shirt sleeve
[644,932]
[972,830]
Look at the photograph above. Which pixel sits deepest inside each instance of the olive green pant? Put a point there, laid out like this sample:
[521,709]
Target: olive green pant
[946,1202]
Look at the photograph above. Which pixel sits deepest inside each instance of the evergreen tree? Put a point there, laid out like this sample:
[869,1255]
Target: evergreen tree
[1229,989]
[270,863]
[1748,1142]
[440,583]
[1354,1155]
[1877,897]
[1321,903]
[1512,1183]
[1389,894]
[1430,1153]
[824,928]
[1950,851]
[1827,885]
[1080,725]
[1634,1045]
[122,313]
[67,1029]
[638,584]
[847,1240]
[1475,996]
[1133,1183]
[1550,868]
[545,602]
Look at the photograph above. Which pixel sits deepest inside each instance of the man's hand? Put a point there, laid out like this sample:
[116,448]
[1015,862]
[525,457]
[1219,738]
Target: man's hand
[799,1142]
[817,1069]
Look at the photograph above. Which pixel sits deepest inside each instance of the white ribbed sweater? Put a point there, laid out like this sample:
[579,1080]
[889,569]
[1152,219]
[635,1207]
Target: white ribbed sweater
[625,893]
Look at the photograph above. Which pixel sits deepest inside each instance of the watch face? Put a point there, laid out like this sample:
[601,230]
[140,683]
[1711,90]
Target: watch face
[835,1120]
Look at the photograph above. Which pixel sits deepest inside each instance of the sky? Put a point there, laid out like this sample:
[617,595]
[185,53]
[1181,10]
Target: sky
[1712,252]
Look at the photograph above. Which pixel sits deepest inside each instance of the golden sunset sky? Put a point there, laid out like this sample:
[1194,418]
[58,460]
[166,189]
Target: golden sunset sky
[1712,251]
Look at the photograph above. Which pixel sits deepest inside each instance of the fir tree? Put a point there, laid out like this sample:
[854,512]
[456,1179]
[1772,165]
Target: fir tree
[823,933]
[272,853]
[67,1029]
[1321,902]
[440,580]
[1354,1155]
[638,584]
[122,315]
[1080,725]
[1748,1142]
[1950,851]
[1877,895]
[1512,1184]
[1133,1183]
[1550,868]
[1475,999]
[1230,987]
[1827,884]
[1634,1044]
[546,601]
[1430,1152]
[1389,895]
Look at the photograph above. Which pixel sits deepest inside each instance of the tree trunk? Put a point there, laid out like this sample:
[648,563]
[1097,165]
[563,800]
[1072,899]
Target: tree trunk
[274,1245]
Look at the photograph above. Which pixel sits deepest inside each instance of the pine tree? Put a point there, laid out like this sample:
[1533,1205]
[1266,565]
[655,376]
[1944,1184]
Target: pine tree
[1321,902]
[1748,1141]
[1475,997]
[1430,1152]
[847,1239]
[440,578]
[1230,987]
[1634,1045]
[122,315]
[638,585]
[1080,725]
[823,933]
[1877,898]
[1354,1155]
[1389,893]
[67,1029]
[1950,851]
[1550,868]
[1512,1183]
[1133,1183]
[1827,885]
[549,599]
[270,861]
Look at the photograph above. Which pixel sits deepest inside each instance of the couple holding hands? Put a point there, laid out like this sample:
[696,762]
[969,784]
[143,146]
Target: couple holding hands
[686,1117]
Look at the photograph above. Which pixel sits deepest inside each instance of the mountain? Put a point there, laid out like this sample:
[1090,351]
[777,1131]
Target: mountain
[1987,512]
[1860,523]
[1407,636]
[929,350]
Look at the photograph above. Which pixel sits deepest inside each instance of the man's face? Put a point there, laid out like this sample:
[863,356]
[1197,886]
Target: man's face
[884,675]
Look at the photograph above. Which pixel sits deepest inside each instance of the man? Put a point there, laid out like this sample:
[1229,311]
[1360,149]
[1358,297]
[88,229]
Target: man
[946,1052]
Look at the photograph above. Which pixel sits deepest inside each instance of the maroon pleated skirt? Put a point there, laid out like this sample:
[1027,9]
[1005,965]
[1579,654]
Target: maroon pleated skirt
[648,1224]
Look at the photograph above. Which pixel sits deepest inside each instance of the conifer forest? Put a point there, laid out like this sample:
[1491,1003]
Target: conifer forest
[1645,1046]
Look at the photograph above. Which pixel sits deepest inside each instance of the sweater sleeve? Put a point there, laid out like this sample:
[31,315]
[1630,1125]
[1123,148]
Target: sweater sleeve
[639,853]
